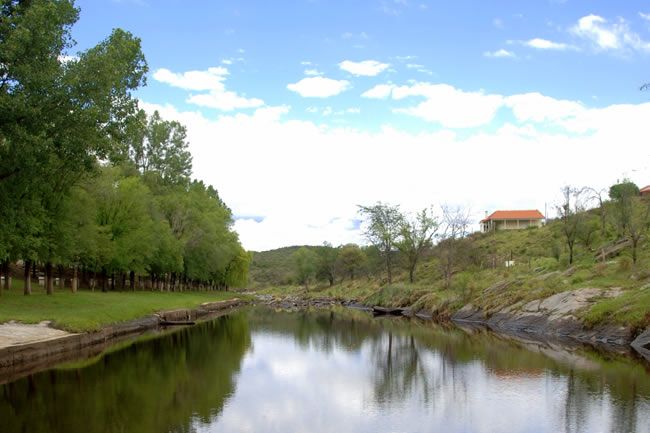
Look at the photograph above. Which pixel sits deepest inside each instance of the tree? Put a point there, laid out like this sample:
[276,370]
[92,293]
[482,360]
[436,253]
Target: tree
[638,221]
[571,213]
[452,246]
[624,188]
[58,116]
[588,231]
[598,195]
[631,213]
[351,260]
[415,236]
[157,147]
[306,263]
[327,262]
[623,195]
[383,225]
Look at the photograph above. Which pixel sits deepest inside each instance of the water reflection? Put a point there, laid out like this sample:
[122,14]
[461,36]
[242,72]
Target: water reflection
[334,371]
[166,384]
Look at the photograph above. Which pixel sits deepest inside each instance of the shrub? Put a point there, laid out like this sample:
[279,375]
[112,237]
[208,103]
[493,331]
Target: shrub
[625,264]
[600,269]
[545,263]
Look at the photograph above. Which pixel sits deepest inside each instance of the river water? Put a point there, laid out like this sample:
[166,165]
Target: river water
[339,371]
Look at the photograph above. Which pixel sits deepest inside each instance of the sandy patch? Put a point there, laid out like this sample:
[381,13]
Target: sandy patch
[12,333]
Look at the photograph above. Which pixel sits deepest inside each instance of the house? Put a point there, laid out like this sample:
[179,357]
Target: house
[512,220]
[645,192]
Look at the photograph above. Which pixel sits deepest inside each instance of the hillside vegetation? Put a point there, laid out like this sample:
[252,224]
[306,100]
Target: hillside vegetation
[540,258]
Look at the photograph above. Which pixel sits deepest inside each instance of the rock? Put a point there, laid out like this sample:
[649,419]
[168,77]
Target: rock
[469,313]
[642,344]
[613,249]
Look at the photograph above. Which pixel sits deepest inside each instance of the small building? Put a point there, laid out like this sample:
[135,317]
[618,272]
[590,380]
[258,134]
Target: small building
[645,192]
[512,220]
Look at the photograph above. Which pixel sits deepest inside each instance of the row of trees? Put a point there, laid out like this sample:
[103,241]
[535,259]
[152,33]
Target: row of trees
[396,238]
[90,182]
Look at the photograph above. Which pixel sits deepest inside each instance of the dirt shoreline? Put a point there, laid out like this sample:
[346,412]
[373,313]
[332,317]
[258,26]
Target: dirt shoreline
[21,359]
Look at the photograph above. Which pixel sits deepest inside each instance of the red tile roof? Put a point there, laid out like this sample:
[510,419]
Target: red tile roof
[646,189]
[515,215]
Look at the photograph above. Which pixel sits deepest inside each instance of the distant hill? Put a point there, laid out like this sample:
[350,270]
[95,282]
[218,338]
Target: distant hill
[273,267]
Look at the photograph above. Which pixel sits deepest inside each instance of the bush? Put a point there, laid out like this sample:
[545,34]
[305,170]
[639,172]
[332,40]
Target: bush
[625,264]
[545,263]
[600,269]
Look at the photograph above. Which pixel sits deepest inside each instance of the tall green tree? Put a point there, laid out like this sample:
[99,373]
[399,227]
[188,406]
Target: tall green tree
[327,256]
[351,260]
[305,264]
[157,147]
[383,224]
[571,213]
[416,236]
[57,115]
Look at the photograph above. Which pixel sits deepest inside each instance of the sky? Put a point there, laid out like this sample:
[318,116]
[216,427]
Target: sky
[298,111]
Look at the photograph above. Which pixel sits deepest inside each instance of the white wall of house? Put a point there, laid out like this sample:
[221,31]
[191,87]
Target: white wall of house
[494,225]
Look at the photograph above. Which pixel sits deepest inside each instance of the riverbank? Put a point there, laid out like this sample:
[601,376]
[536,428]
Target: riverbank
[563,315]
[37,346]
[87,311]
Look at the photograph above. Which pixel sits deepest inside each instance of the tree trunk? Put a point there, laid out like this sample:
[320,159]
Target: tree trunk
[634,245]
[389,268]
[61,277]
[6,273]
[27,288]
[411,274]
[75,280]
[112,281]
[49,280]
[104,280]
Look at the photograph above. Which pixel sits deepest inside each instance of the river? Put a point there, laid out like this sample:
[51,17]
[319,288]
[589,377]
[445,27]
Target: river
[341,370]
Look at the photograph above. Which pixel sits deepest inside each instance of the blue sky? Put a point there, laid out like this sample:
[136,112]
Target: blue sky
[436,88]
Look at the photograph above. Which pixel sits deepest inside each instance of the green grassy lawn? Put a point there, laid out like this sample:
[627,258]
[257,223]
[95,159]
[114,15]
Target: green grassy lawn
[89,311]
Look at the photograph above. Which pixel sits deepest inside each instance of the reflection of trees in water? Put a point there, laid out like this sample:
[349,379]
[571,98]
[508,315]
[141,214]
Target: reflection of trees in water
[398,370]
[410,359]
[151,386]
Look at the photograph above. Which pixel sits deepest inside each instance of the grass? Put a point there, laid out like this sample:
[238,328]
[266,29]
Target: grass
[631,308]
[90,311]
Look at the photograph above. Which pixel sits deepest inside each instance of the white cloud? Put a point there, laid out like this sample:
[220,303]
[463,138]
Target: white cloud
[501,53]
[607,36]
[224,100]
[545,44]
[536,107]
[313,72]
[319,87]
[645,16]
[448,106]
[528,148]
[212,81]
[419,68]
[366,68]
[380,91]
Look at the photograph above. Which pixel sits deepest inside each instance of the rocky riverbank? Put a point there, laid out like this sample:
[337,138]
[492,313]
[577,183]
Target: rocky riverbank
[555,317]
